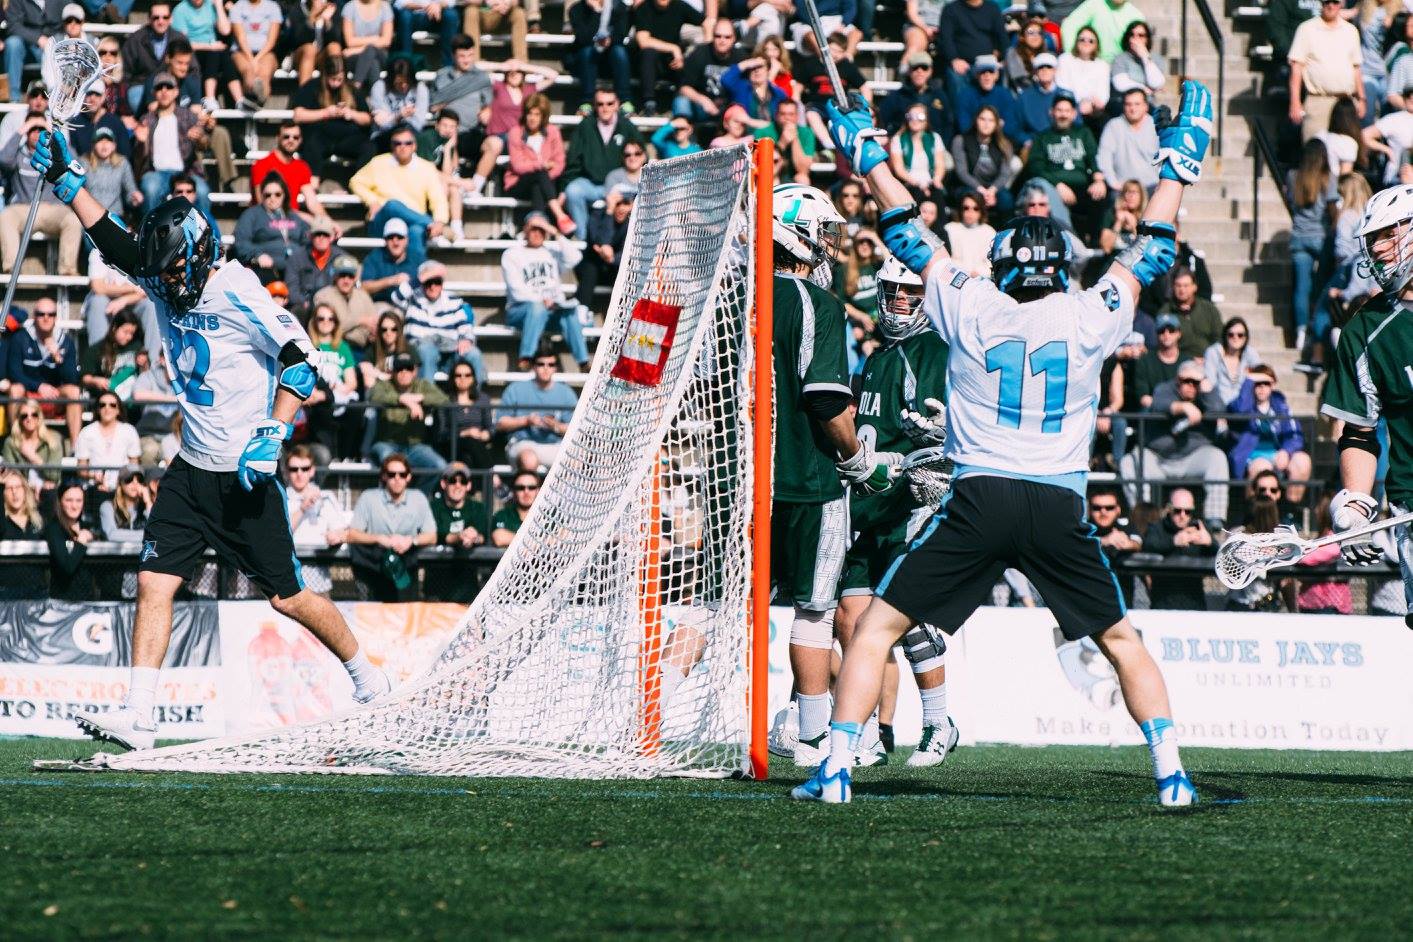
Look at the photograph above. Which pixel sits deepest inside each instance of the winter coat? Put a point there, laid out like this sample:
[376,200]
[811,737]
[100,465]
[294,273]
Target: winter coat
[1247,433]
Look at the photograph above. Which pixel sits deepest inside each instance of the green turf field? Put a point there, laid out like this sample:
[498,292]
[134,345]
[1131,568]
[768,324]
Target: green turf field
[1033,843]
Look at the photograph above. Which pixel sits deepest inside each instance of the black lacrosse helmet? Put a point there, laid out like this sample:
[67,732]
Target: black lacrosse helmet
[175,250]
[1031,257]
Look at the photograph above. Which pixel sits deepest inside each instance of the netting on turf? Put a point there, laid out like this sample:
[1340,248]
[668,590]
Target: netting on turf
[633,563]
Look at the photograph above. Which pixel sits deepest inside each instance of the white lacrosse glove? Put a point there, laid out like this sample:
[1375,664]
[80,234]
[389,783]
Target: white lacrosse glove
[869,472]
[1350,510]
[926,431]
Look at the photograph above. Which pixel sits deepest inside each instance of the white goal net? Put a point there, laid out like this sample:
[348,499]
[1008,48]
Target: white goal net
[634,563]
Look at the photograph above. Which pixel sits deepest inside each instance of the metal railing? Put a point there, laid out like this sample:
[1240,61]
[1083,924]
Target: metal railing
[1214,32]
[1263,156]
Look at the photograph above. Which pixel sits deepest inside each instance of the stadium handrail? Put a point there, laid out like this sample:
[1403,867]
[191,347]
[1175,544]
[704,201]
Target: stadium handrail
[1214,32]
[1263,156]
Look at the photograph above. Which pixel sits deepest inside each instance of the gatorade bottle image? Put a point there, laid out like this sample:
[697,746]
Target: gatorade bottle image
[272,667]
[311,679]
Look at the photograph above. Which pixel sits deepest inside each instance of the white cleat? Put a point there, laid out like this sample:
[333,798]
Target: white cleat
[121,727]
[1177,791]
[936,745]
[785,732]
[836,789]
[380,686]
[869,757]
[809,753]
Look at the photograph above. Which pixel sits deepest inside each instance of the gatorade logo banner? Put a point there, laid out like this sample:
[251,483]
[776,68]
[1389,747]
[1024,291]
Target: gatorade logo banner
[648,343]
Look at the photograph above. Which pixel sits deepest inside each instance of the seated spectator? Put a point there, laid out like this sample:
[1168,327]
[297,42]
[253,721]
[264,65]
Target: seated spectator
[1200,319]
[919,87]
[1180,535]
[123,517]
[1159,365]
[110,293]
[1020,58]
[440,326]
[918,157]
[406,415]
[700,94]
[312,270]
[30,442]
[1110,20]
[437,144]
[1160,292]
[171,138]
[965,31]
[267,236]
[37,98]
[735,128]
[466,89]
[1265,593]
[813,76]
[858,212]
[389,524]
[1135,65]
[332,427]
[623,183]
[386,268]
[352,305]
[70,579]
[21,519]
[107,444]
[778,64]
[208,29]
[595,149]
[367,29]
[152,394]
[1120,228]
[1270,438]
[984,164]
[1065,159]
[110,178]
[28,30]
[432,16]
[388,343]
[535,291]
[591,51]
[537,159]
[315,517]
[675,138]
[95,117]
[55,219]
[335,120]
[398,101]
[985,88]
[402,186]
[179,62]
[657,26]
[1117,539]
[471,419]
[748,84]
[255,35]
[535,414]
[1324,596]
[1127,146]
[970,236]
[1392,136]
[1227,363]
[1035,103]
[493,16]
[794,143]
[1083,71]
[1186,448]
[856,284]
[43,364]
[298,176]
[510,91]
[524,489]
[461,521]
[608,233]
[111,364]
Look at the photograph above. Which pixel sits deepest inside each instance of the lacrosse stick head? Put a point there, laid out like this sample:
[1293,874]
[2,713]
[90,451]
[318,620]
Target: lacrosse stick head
[929,475]
[68,68]
[1245,557]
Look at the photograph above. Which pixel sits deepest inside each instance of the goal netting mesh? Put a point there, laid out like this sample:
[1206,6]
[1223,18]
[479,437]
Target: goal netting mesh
[634,562]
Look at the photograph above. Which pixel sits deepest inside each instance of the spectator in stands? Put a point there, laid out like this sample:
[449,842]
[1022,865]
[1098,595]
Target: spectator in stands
[591,51]
[1200,319]
[298,176]
[748,84]
[985,89]
[1186,447]
[921,21]
[493,16]
[402,186]
[794,143]
[389,524]
[1120,229]
[595,149]
[524,489]
[608,233]
[171,138]
[388,342]
[1324,596]
[1117,539]
[699,98]
[1160,291]
[267,236]
[115,94]
[966,30]
[54,219]
[107,443]
[406,414]
[535,414]
[918,157]
[984,163]
[778,64]
[1083,71]
[1127,146]
[440,327]
[386,268]
[675,138]
[1392,136]
[96,117]
[1325,60]
[534,272]
[815,83]
[623,182]
[1065,158]
[466,89]
[510,91]
[735,128]
[332,426]
[73,18]
[1035,103]
[1159,365]
[657,34]
[335,119]
[1270,438]
[44,364]
[1314,197]
[1227,363]
[1110,19]
[1179,534]
[30,27]
[111,364]
[21,519]
[970,236]
[70,580]
[437,144]
[123,517]
[1283,17]
[919,87]
[312,270]
[460,520]
[398,101]
[30,442]
[470,418]
[537,159]
[1030,42]
[109,178]
[309,29]
[208,29]
[1396,47]
[316,520]
[1348,279]
[444,19]
[352,305]
[37,100]
[856,284]
[367,29]
[152,393]
[255,34]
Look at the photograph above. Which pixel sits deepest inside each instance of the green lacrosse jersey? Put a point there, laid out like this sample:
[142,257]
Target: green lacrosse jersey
[809,357]
[1372,378]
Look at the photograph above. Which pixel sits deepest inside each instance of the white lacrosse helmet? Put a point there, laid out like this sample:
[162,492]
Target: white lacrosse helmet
[1388,209]
[807,225]
[900,312]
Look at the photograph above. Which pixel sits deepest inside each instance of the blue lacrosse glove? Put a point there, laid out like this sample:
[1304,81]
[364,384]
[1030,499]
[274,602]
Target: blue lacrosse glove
[57,165]
[1183,142]
[855,136]
[261,458]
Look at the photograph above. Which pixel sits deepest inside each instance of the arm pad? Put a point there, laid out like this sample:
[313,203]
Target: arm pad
[913,244]
[116,242]
[826,404]
[1364,439]
[297,376]
[1152,253]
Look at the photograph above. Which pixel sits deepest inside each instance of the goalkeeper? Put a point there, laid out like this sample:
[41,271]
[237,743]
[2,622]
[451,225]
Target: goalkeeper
[240,368]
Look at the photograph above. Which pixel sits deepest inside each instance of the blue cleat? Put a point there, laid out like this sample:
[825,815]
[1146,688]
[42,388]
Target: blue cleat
[836,789]
[1176,791]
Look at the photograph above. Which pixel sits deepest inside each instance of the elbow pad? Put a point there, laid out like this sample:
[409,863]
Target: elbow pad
[1152,254]
[297,376]
[912,244]
[826,404]
[1363,439]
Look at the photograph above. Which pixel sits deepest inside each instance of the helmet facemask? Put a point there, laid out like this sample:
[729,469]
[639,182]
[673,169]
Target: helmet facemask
[1387,255]
[900,313]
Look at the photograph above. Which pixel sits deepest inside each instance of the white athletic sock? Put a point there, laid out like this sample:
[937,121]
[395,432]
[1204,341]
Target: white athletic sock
[142,691]
[869,740]
[672,678]
[360,670]
[478,182]
[1163,746]
[843,746]
[934,705]
[814,715]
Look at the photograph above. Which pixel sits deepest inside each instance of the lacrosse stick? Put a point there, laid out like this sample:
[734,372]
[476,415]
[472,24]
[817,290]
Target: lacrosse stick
[1245,557]
[841,97]
[68,68]
[929,475]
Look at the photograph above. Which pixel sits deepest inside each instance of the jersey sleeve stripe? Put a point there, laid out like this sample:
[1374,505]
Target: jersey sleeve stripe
[1363,421]
[827,387]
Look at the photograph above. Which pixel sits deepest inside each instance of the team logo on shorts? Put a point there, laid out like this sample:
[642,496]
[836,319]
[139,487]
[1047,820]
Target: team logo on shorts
[149,551]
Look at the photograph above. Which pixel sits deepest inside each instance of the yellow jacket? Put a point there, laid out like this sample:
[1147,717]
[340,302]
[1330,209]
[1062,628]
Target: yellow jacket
[417,185]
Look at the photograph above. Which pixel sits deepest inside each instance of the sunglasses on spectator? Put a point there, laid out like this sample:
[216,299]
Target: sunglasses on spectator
[46,313]
[1238,334]
[1188,381]
[133,476]
[407,143]
[272,194]
[107,404]
[632,152]
[159,17]
[1169,330]
[324,319]
[29,415]
[394,235]
[605,104]
[456,479]
[723,35]
[1103,508]
[526,487]
[433,282]
[388,330]
[1262,382]
[107,52]
[1182,511]
[547,364]
[186,191]
[390,475]
[462,374]
[161,86]
[300,468]
[291,136]
[1268,491]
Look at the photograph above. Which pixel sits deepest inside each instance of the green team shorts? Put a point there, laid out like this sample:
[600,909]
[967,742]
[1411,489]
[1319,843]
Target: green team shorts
[872,552]
[807,544]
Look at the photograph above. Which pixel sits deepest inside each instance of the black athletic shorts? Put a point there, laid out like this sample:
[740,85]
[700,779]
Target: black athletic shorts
[196,508]
[989,524]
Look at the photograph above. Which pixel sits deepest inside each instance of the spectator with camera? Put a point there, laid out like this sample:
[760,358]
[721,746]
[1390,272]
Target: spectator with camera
[389,524]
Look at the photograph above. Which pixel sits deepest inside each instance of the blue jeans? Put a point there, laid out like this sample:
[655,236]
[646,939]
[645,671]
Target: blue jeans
[421,457]
[586,64]
[1305,254]
[409,21]
[16,51]
[433,359]
[124,7]
[417,224]
[579,196]
[157,184]
[684,107]
[532,317]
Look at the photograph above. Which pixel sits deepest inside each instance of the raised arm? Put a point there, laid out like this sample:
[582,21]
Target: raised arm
[66,175]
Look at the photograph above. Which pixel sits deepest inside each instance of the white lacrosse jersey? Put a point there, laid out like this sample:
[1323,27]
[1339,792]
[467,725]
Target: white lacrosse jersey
[223,364]
[1023,379]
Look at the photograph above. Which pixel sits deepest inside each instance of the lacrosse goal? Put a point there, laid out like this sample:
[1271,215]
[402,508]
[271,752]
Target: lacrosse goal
[647,551]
